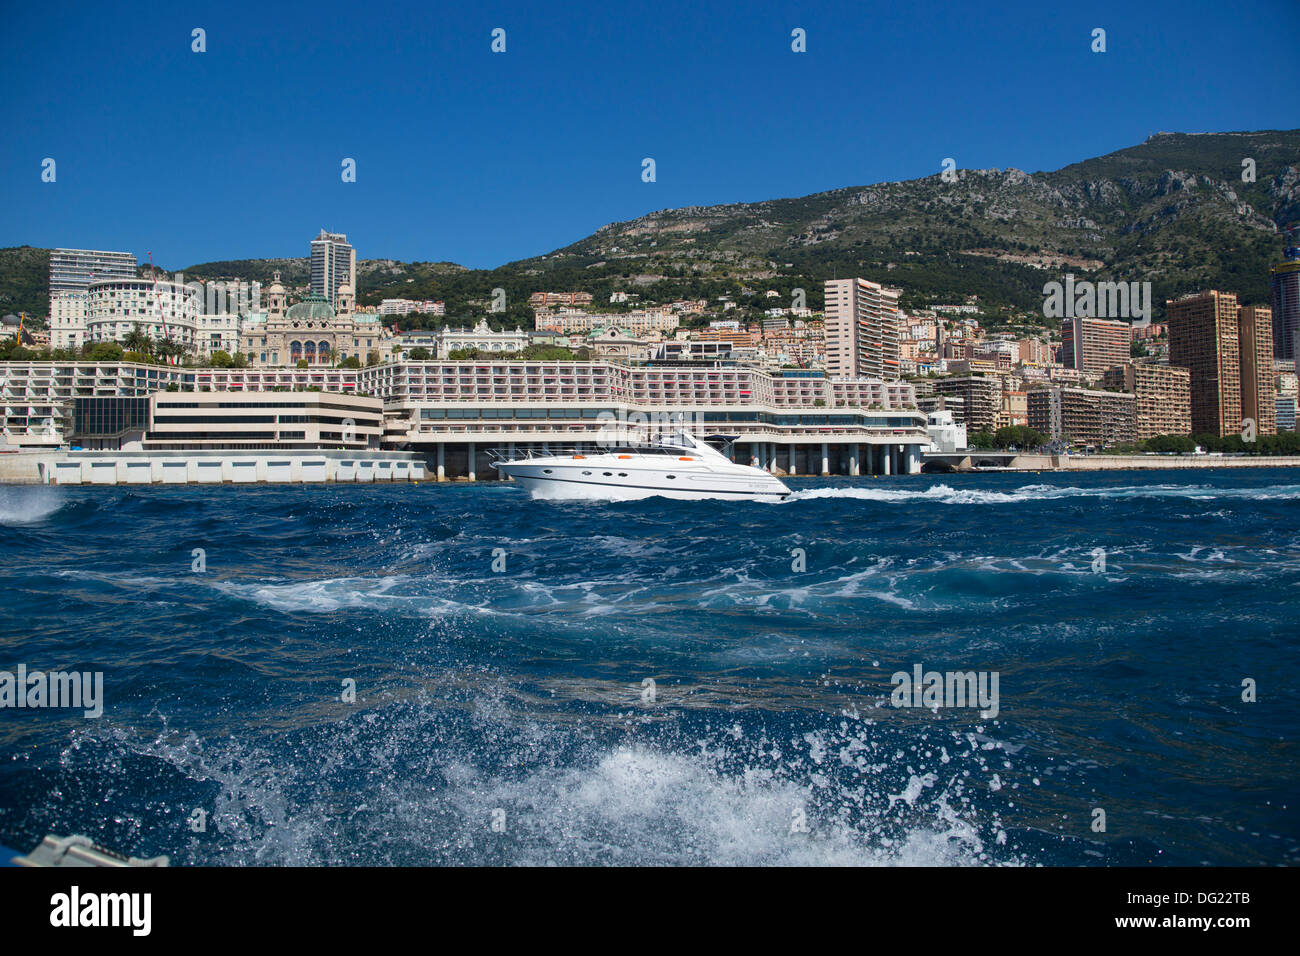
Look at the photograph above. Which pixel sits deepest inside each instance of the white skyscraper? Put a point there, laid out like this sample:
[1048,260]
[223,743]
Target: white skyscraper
[71,272]
[333,264]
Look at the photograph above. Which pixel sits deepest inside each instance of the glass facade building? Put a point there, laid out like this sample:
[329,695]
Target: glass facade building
[107,417]
[1285,286]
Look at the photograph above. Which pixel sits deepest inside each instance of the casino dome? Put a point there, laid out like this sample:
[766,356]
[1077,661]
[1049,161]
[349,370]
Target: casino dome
[313,307]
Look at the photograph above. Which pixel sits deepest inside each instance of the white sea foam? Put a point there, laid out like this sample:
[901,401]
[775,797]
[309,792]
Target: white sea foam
[725,800]
[329,594]
[946,494]
[387,593]
[114,578]
[660,807]
[20,505]
[628,547]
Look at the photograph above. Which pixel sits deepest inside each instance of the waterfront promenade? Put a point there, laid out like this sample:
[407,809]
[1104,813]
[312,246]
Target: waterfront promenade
[981,461]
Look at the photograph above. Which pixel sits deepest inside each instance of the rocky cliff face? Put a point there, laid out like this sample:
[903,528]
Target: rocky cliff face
[1174,210]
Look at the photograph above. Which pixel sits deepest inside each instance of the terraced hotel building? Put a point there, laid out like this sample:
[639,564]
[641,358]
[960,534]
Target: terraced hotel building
[796,422]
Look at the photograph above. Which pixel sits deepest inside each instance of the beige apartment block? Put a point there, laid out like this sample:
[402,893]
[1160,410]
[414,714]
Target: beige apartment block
[1162,395]
[1082,416]
[1014,411]
[1204,339]
[1093,345]
[861,330]
[1258,391]
[981,398]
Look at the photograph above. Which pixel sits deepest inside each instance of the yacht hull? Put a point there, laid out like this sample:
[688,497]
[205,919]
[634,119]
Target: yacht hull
[597,481]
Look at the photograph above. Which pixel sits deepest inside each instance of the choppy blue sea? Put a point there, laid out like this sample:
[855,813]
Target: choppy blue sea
[508,716]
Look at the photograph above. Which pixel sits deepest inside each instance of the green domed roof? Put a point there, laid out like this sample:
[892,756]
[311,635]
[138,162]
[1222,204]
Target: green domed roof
[312,306]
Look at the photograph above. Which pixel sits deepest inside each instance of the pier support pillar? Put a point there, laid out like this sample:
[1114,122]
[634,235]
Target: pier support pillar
[794,459]
[887,455]
[442,461]
[473,453]
[826,458]
[853,461]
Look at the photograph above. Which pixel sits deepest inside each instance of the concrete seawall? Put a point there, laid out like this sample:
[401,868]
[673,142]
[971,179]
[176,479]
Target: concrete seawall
[215,468]
[24,467]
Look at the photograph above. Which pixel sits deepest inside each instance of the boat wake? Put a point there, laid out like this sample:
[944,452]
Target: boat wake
[946,494]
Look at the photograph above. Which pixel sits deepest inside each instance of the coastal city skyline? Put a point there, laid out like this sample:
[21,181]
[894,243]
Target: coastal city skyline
[1098,380]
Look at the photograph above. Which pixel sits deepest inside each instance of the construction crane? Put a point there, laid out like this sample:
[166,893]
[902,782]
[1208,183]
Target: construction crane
[18,329]
[167,336]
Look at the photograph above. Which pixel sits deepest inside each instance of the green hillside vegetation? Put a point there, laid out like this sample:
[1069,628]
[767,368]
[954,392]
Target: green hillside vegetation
[25,282]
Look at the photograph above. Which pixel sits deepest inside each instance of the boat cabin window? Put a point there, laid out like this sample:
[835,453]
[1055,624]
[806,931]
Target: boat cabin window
[647,450]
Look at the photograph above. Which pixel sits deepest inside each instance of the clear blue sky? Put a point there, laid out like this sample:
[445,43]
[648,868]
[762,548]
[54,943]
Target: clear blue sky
[484,158]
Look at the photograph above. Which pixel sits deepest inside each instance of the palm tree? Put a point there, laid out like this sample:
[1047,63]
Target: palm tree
[138,341]
[167,349]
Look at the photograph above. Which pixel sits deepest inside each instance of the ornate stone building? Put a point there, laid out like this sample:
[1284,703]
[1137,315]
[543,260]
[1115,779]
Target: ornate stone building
[481,337]
[311,331]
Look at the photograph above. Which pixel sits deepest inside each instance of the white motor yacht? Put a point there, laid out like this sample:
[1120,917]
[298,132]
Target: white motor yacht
[681,466]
